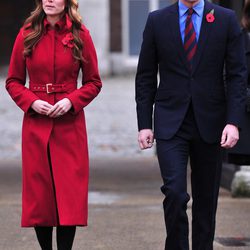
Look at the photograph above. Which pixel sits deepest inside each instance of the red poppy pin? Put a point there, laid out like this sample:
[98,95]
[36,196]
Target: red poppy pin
[68,40]
[210,16]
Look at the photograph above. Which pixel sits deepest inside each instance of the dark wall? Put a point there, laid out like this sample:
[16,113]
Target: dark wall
[226,3]
[115,26]
[13,13]
[236,5]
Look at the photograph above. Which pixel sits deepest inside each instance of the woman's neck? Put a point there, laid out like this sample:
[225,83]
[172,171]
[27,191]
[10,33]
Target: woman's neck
[53,19]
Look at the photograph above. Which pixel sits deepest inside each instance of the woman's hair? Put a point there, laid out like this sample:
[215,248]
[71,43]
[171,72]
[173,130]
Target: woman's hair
[34,23]
[245,21]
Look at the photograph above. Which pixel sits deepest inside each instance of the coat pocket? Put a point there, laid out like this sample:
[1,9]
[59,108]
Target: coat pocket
[164,94]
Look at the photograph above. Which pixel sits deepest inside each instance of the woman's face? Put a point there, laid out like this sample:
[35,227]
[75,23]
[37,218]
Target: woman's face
[53,7]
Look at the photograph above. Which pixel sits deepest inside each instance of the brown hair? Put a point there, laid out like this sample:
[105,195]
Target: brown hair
[245,21]
[34,23]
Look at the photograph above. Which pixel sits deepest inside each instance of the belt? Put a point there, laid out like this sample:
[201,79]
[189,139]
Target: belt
[48,88]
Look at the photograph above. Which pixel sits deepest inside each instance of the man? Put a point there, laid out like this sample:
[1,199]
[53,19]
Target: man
[196,112]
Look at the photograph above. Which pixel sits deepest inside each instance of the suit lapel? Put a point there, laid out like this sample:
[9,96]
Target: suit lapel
[173,22]
[204,33]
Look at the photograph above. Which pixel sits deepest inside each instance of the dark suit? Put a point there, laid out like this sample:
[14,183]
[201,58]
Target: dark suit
[191,109]
[240,154]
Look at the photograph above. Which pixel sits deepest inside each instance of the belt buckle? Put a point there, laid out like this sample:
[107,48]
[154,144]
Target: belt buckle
[47,88]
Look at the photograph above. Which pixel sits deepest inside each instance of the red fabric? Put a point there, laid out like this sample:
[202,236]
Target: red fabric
[52,62]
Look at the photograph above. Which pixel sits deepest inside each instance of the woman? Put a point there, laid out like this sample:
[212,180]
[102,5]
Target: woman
[53,46]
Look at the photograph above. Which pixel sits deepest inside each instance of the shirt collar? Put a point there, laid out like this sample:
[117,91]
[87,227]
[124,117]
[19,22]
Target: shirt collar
[198,8]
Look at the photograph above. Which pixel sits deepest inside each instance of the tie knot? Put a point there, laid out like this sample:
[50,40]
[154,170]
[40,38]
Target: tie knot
[190,11]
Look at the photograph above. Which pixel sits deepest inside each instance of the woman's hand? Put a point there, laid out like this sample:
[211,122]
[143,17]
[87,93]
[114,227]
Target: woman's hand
[60,108]
[41,107]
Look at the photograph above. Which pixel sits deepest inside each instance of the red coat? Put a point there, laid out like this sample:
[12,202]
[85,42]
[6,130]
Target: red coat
[54,193]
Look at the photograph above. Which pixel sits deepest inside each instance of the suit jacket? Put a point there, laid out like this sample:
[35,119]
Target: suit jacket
[215,102]
[242,147]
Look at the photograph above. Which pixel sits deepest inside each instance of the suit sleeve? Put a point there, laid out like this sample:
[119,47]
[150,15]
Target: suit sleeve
[15,82]
[91,81]
[146,77]
[236,74]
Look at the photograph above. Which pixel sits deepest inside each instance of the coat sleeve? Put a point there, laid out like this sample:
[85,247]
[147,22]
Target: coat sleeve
[15,82]
[146,78]
[236,73]
[91,81]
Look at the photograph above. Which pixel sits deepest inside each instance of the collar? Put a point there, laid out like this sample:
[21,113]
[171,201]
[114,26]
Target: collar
[198,8]
[64,22]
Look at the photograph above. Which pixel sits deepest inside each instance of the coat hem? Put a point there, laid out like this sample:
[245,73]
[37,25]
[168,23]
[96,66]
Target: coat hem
[53,225]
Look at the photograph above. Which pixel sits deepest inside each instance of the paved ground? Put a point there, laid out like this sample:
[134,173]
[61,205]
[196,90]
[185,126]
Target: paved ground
[125,211]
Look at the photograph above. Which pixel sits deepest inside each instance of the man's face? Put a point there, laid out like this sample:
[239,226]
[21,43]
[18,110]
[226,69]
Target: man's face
[190,3]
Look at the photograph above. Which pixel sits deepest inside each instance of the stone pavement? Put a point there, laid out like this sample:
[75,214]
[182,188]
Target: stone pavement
[125,211]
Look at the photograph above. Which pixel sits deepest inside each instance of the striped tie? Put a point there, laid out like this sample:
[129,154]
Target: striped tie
[190,43]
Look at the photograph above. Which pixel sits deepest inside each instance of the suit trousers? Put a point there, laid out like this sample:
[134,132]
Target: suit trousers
[206,163]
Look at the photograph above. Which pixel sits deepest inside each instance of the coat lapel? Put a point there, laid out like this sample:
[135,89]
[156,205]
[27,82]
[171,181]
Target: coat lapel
[173,22]
[204,33]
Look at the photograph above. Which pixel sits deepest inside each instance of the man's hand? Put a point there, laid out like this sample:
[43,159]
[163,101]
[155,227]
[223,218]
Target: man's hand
[145,138]
[41,107]
[60,108]
[230,136]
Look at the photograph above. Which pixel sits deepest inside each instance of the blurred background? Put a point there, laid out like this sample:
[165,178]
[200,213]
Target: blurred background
[125,198]
[116,27]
